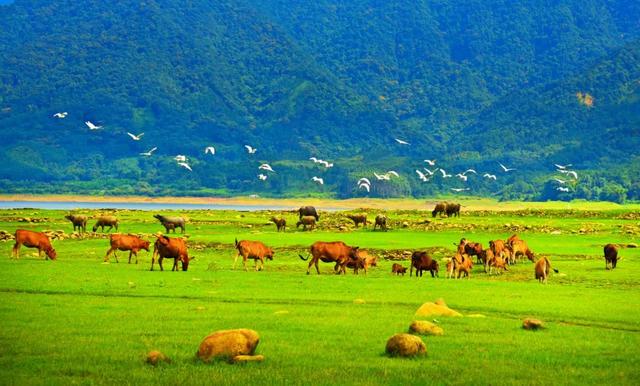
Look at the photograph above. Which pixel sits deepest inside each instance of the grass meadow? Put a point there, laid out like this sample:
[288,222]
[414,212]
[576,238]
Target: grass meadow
[79,321]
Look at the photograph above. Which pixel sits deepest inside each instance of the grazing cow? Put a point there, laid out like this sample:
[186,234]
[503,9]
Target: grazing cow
[252,250]
[330,252]
[498,247]
[610,256]
[281,224]
[129,243]
[542,269]
[170,223]
[171,248]
[421,261]
[363,261]
[485,258]
[452,209]
[103,221]
[79,221]
[398,269]
[513,238]
[474,249]
[462,265]
[305,221]
[520,248]
[31,239]
[358,219]
[308,211]
[498,263]
[440,208]
[381,221]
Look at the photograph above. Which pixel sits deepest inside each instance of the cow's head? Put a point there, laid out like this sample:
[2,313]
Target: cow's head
[51,253]
[184,260]
[69,217]
[95,227]
[269,254]
[145,245]
[353,253]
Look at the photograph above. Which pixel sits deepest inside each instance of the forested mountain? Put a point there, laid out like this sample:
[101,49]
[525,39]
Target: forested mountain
[470,84]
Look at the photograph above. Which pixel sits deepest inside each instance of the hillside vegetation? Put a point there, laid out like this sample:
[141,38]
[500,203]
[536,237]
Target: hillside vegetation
[469,84]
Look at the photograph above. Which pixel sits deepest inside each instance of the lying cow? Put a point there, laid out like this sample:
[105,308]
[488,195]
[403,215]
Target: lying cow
[171,248]
[31,239]
[358,219]
[421,261]
[79,221]
[281,224]
[381,221]
[610,256]
[129,243]
[308,211]
[252,250]
[103,221]
[398,269]
[171,223]
[330,252]
[306,221]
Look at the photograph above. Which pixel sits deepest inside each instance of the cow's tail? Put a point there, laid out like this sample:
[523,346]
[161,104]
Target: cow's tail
[303,258]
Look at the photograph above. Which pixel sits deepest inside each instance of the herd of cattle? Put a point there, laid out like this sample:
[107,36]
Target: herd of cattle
[498,256]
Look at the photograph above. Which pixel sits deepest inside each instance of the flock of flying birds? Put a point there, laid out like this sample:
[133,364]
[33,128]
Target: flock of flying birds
[425,174]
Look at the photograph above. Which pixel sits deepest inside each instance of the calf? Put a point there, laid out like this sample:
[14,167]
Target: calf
[398,269]
[381,221]
[463,265]
[171,248]
[610,256]
[358,219]
[421,261]
[498,247]
[171,223]
[79,221]
[252,250]
[308,211]
[281,224]
[363,261]
[31,239]
[305,221]
[499,264]
[129,243]
[103,221]
[542,269]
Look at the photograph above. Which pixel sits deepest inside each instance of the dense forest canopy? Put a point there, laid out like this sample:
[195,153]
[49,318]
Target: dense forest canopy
[471,84]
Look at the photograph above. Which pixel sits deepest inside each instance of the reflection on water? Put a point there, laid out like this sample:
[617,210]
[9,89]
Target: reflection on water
[150,206]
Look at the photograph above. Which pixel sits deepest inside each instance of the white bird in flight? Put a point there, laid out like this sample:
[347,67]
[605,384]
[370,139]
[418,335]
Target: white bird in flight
[148,154]
[505,169]
[185,165]
[210,149]
[490,176]
[422,176]
[91,126]
[570,173]
[402,142]
[458,190]
[382,177]
[318,180]
[180,158]
[135,137]
[560,181]
[265,167]
[469,171]
[262,177]
[61,115]
[444,174]
[250,149]
[363,179]
[562,189]
[462,177]
[325,163]
[562,166]
[314,159]
[429,171]
[393,172]
[366,186]
[430,162]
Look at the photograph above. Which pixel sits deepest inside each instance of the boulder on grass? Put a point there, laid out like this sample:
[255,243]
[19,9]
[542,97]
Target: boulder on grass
[439,308]
[405,345]
[227,344]
[422,327]
[154,357]
[532,324]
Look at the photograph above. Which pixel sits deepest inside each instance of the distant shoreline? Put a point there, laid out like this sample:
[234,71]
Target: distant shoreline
[469,203]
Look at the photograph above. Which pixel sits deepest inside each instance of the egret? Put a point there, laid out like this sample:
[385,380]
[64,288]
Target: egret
[430,162]
[458,190]
[148,154]
[210,149]
[91,126]
[135,137]
[318,180]
[490,176]
[61,115]
[250,149]
[262,177]
[444,174]
[265,167]
[185,165]
[402,142]
[366,186]
[505,169]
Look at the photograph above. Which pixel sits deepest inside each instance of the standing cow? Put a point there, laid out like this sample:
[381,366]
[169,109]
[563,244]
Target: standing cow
[31,239]
[610,256]
[381,221]
[452,209]
[129,243]
[170,223]
[171,248]
[421,261]
[103,221]
[252,250]
[331,252]
[440,208]
[79,221]
[358,219]
[308,211]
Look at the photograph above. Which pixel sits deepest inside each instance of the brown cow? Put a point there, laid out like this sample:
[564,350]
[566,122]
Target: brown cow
[252,250]
[610,256]
[486,257]
[440,208]
[498,247]
[542,269]
[129,243]
[330,252]
[474,249]
[498,263]
[281,224]
[520,248]
[381,221]
[31,239]
[398,269]
[307,221]
[171,248]
[421,261]
[452,209]
[463,265]
[363,261]
[103,221]
[358,219]
[79,221]
[513,238]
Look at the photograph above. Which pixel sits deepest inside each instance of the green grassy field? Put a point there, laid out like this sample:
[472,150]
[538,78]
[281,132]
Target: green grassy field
[77,320]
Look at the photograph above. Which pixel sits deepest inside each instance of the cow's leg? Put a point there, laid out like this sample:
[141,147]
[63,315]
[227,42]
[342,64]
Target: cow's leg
[244,262]
[15,252]
[131,253]
[615,262]
[160,263]
[236,260]
[317,268]
[106,257]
